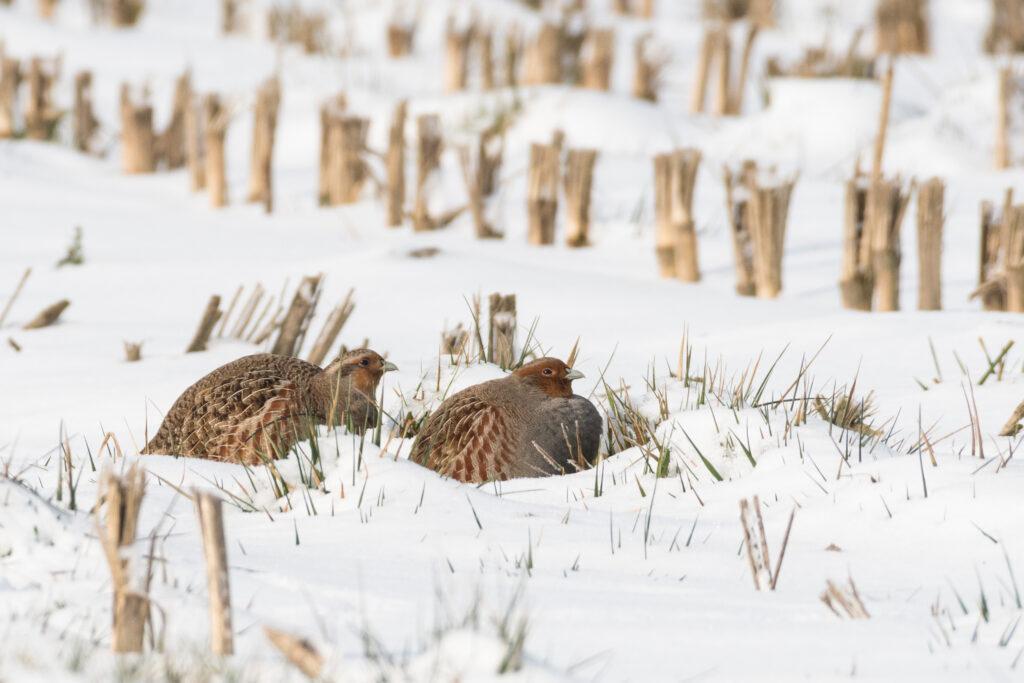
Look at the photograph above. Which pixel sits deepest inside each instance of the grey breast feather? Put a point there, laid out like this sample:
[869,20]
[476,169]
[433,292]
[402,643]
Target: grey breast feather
[561,429]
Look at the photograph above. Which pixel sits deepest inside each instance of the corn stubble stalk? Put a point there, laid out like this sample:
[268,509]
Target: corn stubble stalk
[331,329]
[675,175]
[85,124]
[740,86]
[723,58]
[856,281]
[400,38]
[484,43]
[598,55]
[759,213]
[265,113]
[209,509]
[647,69]
[245,315]
[769,214]
[823,62]
[347,168]
[543,59]
[737,203]
[901,27]
[430,145]
[579,181]
[501,326]
[46,8]
[330,110]
[455,342]
[211,314]
[10,79]
[1006,28]
[298,316]
[172,142]
[992,257]
[758,12]
[126,13]
[132,352]
[395,163]
[873,217]
[41,115]
[1005,93]
[573,34]
[930,220]
[229,17]
[138,143]
[637,8]
[542,192]
[123,499]
[705,57]
[715,56]
[195,145]
[513,55]
[886,206]
[456,67]
[215,128]
[294,24]
[480,174]
[1013,239]
[231,309]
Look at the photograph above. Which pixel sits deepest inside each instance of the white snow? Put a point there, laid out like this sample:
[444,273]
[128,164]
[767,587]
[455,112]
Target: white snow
[395,574]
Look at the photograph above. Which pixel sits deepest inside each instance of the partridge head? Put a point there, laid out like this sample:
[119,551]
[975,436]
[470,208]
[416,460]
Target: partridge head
[550,375]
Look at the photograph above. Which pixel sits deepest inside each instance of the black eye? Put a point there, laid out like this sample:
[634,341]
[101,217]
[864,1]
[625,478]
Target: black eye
[364,362]
[547,371]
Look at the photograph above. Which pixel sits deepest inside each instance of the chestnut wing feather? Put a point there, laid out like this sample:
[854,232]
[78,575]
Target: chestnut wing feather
[245,418]
[467,439]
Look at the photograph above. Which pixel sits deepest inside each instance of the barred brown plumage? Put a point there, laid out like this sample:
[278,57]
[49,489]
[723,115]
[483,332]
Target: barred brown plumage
[527,424]
[257,407]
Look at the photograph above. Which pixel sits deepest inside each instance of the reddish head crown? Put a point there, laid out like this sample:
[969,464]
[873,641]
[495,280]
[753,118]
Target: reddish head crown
[550,375]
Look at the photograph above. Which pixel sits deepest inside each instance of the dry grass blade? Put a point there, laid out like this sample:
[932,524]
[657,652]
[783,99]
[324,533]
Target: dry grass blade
[17,291]
[573,353]
[299,651]
[782,550]
[331,329]
[844,601]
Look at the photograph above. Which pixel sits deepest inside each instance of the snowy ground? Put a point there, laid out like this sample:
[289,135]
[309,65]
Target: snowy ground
[612,574]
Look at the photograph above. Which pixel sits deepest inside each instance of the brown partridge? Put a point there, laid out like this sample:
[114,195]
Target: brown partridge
[257,407]
[528,424]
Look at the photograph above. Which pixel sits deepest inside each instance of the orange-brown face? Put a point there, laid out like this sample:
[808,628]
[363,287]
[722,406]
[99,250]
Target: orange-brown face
[365,367]
[550,375]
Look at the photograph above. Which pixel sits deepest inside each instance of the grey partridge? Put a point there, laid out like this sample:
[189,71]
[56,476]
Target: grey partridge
[257,407]
[527,424]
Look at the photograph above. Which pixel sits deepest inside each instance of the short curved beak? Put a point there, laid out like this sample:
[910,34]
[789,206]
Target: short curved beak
[574,375]
[389,366]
